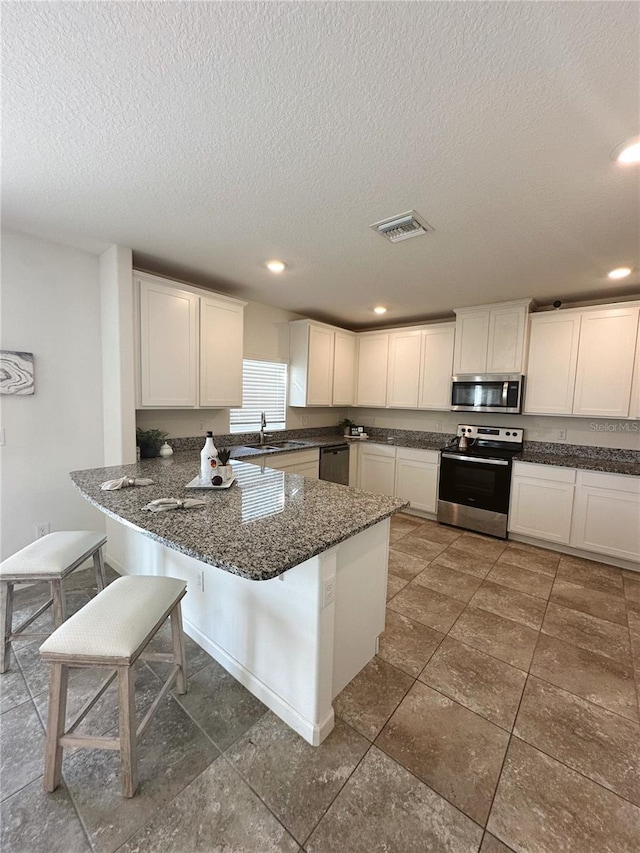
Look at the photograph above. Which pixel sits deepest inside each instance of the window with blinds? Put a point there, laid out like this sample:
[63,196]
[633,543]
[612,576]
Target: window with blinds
[264,389]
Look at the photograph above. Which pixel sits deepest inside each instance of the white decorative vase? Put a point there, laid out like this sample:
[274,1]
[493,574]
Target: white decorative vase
[224,471]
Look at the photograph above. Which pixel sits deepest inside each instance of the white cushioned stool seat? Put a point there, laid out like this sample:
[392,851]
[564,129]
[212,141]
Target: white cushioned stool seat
[115,623]
[52,555]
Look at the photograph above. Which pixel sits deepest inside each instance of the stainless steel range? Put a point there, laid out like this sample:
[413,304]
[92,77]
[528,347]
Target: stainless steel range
[475,478]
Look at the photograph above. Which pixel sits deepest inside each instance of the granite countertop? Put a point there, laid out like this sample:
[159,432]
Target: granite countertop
[267,522]
[571,457]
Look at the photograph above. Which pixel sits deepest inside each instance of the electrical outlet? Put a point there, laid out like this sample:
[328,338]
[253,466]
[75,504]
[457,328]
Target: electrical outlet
[2,438]
[329,591]
[201,426]
[201,580]
[562,435]
[437,426]
[42,529]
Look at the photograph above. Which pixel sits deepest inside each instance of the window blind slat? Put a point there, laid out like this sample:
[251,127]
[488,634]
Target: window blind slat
[264,389]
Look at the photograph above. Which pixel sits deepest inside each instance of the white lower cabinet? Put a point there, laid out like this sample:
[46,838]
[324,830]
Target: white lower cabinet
[377,469]
[542,501]
[606,516]
[305,462]
[417,477]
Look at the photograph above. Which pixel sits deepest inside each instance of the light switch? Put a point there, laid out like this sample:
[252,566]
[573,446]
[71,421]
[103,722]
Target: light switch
[2,442]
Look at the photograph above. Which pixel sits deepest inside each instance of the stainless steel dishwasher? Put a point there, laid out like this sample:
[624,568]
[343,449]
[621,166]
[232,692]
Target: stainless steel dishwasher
[334,463]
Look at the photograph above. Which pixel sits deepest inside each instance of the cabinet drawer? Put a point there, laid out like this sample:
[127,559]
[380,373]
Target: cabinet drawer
[613,482]
[413,454]
[552,473]
[378,450]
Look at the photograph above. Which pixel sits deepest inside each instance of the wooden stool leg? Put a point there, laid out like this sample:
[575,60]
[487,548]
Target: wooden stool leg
[6,617]
[98,565]
[177,639]
[59,605]
[127,730]
[55,725]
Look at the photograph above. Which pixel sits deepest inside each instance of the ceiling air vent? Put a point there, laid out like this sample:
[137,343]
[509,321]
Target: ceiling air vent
[402,227]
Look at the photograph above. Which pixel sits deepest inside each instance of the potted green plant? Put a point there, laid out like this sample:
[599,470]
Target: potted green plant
[149,441]
[345,425]
[224,470]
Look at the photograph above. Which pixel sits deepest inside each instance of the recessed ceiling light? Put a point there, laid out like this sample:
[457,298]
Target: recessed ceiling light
[380,309]
[620,272]
[276,266]
[627,153]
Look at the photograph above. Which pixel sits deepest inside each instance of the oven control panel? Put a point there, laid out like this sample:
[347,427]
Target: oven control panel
[506,434]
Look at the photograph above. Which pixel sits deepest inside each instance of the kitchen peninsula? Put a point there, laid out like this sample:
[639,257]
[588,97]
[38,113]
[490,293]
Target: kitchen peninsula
[286,575]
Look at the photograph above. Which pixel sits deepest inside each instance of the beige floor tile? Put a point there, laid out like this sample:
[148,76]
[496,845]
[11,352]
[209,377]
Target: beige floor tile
[523,580]
[449,581]
[427,606]
[511,604]
[406,644]
[401,525]
[504,639]
[367,702]
[394,585]
[297,781]
[632,594]
[490,844]
[539,560]
[588,632]
[485,547]
[438,533]
[404,565]
[599,604]
[451,749]
[462,560]
[384,808]
[588,573]
[596,678]
[420,548]
[545,807]
[476,680]
[591,740]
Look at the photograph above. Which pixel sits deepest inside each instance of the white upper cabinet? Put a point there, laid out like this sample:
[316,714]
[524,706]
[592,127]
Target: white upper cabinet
[373,352]
[491,338]
[221,350]
[605,362]
[190,345]
[403,376]
[581,362]
[553,355]
[322,365]
[436,366]
[344,367]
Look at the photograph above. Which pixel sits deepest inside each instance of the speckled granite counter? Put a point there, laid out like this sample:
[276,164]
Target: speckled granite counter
[266,523]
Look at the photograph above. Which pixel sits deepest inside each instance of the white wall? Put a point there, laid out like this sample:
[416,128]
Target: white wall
[266,336]
[50,307]
[590,431]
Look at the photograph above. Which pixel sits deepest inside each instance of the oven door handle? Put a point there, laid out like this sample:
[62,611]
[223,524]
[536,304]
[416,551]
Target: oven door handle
[505,392]
[475,459]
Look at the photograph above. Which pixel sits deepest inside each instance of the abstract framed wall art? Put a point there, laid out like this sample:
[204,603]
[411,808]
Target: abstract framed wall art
[16,372]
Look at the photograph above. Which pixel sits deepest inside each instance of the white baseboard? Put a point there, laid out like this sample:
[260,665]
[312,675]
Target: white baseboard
[313,733]
[576,552]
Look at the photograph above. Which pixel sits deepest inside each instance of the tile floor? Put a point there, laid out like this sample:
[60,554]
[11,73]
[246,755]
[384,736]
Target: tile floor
[501,713]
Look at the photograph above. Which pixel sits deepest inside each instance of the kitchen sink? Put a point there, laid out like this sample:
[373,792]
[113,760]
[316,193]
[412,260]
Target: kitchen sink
[278,445]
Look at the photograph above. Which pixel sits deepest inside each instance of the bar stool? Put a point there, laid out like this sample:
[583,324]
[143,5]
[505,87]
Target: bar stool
[111,631]
[50,559]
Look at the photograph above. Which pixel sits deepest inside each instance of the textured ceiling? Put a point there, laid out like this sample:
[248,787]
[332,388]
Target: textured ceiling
[210,137]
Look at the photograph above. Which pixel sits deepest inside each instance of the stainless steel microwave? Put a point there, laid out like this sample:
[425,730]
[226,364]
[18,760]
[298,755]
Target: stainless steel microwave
[489,392]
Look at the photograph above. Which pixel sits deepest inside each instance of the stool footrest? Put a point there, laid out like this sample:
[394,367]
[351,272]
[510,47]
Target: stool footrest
[92,742]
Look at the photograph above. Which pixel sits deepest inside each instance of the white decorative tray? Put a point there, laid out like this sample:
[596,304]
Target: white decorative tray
[197,483]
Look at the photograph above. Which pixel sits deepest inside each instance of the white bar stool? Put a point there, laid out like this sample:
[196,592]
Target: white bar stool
[112,631]
[50,559]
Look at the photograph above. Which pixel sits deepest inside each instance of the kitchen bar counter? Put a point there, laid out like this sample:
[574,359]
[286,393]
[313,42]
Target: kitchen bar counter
[265,523]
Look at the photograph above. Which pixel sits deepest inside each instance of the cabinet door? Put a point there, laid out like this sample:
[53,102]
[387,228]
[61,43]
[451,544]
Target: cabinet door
[542,506]
[417,478]
[606,514]
[320,367]
[377,471]
[403,377]
[344,368]
[472,333]
[605,362]
[168,346]
[553,355]
[221,350]
[371,388]
[507,327]
[436,367]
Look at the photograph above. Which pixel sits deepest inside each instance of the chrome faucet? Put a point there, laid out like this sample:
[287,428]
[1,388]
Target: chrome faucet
[263,426]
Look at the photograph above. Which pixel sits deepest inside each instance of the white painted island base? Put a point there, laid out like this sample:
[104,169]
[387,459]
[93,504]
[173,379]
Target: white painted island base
[295,641]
